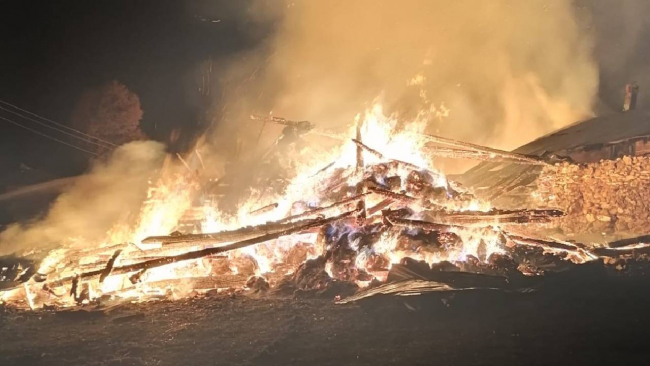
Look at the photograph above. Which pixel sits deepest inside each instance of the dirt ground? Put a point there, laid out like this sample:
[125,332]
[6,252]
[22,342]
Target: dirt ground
[599,321]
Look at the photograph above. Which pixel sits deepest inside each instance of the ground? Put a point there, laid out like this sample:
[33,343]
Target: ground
[592,322]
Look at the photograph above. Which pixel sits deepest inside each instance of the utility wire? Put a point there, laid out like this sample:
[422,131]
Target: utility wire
[58,124]
[48,136]
[55,128]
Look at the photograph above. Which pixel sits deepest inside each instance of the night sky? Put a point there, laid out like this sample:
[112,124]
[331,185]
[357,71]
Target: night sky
[54,50]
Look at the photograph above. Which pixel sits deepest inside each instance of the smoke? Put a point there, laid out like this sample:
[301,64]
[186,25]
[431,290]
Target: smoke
[621,50]
[500,72]
[507,71]
[108,194]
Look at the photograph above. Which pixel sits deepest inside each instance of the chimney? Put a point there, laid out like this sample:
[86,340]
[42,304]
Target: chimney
[631,93]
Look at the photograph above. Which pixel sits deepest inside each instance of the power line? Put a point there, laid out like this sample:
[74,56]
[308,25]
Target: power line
[58,124]
[55,128]
[48,136]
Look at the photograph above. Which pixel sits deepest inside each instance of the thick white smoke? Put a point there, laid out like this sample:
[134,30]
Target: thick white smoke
[111,192]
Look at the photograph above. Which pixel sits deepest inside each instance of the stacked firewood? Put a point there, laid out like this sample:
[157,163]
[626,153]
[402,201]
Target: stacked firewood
[608,196]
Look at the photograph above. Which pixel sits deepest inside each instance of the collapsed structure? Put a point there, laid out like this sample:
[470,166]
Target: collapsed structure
[374,211]
[602,138]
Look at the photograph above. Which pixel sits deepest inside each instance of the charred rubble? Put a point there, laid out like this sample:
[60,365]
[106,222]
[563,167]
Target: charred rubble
[386,227]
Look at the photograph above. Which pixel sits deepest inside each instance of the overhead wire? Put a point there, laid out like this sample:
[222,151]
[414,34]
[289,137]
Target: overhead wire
[48,136]
[110,144]
[56,129]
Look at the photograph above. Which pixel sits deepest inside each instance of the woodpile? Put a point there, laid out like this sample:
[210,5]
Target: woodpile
[604,197]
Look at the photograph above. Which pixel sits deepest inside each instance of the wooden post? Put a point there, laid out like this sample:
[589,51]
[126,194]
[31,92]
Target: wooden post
[631,93]
[359,148]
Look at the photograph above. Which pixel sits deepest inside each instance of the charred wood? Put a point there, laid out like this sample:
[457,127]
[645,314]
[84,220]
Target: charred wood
[380,206]
[109,266]
[425,225]
[645,239]
[324,169]
[501,153]
[359,165]
[225,236]
[344,202]
[609,252]
[412,269]
[394,196]
[195,283]
[302,126]
[542,243]
[478,155]
[264,209]
[205,252]
[135,278]
[376,153]
[495,217]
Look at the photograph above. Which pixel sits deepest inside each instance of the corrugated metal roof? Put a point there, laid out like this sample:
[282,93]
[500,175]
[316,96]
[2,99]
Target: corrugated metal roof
[600,130]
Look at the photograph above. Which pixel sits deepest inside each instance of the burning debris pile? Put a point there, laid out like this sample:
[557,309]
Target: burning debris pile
[374,211]
[609,196]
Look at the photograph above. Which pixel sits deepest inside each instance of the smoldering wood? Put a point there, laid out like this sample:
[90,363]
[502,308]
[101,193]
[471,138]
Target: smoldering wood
[614,249]
[448,282]
[398,213]
[361,146]
[532,259]
[198,240]
[456,187]
[629,241]
[194,283]
[410,269]
[546,244]
[425,225]
[216,281]
[361,212]
[323,209]
[301,125]
[620,251]
[73,288]
[425,201]
[47,289]
[359,157]
[329,134]
[83,295]
[376,153]
[335,184]
[109,266]
[204,252]
[380,206]
[218,237]
[401,197]
[501,153]
[393,182]
[494,217]
[135,278]
[402,288]
[324,169]
[264,209]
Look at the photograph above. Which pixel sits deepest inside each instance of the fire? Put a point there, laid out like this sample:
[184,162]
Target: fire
[399,163]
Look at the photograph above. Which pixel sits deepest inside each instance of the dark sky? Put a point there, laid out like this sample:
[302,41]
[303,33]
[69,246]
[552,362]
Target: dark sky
[51,51]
